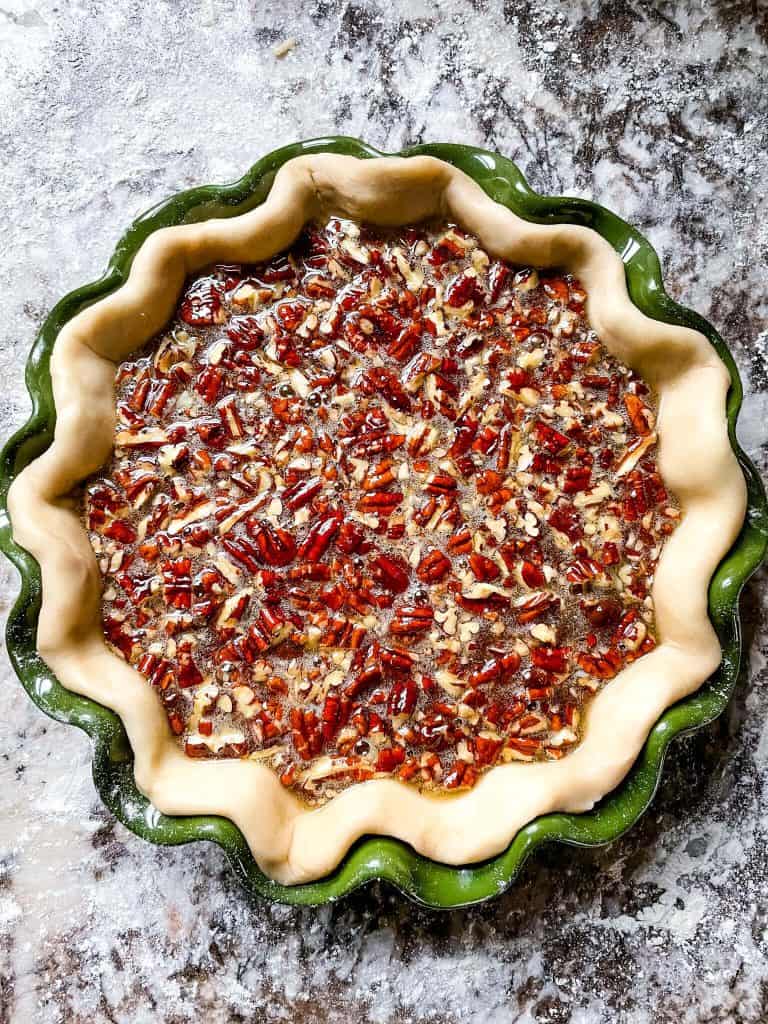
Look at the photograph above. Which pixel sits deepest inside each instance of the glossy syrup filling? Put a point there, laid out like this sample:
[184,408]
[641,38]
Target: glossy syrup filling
[382,506]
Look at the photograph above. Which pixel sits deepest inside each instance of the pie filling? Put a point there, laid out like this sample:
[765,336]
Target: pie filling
[382,506]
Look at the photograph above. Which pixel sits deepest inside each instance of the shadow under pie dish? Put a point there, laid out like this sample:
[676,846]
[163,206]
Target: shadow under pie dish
[222,351]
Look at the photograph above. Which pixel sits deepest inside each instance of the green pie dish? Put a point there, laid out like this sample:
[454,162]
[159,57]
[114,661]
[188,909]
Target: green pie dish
[424,881]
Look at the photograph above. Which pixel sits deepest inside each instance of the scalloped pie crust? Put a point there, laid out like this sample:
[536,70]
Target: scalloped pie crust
[291,842]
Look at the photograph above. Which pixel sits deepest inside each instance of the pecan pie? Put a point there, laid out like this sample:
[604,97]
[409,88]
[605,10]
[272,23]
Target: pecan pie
[372,441]
[378,509]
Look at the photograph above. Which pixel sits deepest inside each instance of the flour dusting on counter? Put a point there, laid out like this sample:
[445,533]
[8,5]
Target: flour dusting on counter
[659,111]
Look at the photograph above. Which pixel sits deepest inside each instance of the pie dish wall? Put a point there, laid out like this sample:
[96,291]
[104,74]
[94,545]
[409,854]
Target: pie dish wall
[696,460]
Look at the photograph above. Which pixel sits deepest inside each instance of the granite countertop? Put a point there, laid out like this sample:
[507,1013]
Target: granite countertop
[659,111]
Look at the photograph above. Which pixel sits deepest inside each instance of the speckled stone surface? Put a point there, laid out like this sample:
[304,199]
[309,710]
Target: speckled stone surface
[658,110]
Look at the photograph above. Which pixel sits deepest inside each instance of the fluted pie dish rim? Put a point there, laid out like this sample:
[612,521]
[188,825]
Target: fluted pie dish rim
[298,846]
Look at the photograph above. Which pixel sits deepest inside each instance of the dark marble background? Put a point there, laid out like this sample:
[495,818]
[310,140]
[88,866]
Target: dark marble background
[658,110]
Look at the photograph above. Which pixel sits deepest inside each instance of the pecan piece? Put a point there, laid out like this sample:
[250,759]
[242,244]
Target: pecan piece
[411,619]
[433,567]
[402,697]
[275,545]
[537,606]
[390,573]
[319,538]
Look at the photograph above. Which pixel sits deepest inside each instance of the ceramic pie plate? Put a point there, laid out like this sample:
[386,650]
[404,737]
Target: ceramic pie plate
[424,880]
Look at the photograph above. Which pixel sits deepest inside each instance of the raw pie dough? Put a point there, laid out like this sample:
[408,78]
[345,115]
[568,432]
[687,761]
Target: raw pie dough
[290,842]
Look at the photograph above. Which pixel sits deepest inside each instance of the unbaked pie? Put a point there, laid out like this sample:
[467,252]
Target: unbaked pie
[380,510]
